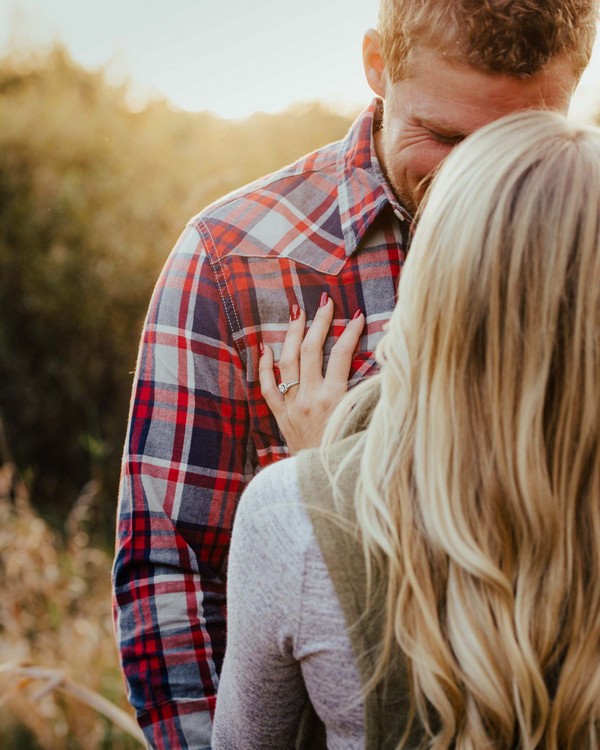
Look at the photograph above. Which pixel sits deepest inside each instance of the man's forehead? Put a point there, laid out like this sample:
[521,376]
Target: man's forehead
[458,98]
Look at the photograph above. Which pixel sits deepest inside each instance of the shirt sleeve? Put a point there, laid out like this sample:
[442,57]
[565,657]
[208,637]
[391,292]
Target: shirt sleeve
[262,692]
[186,461]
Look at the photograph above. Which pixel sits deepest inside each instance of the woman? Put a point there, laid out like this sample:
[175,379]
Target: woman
[462,484]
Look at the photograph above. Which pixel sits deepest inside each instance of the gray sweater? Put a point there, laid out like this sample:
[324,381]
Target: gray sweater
[286,632]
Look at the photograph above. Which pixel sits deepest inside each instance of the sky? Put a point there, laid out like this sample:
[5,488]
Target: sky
[232,57]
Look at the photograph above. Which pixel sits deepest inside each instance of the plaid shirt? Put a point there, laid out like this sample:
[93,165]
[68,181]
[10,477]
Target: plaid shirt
[199,428]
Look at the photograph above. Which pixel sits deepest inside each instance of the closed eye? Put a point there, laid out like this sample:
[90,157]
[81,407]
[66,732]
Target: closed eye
[446,140]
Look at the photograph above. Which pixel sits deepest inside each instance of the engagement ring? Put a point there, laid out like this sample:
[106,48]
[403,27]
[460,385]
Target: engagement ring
[285,387]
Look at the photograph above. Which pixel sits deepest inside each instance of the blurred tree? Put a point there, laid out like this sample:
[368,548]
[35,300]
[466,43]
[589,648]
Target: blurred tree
[92,197]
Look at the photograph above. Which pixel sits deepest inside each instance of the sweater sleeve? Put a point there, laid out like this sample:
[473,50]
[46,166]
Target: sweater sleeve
[261,692]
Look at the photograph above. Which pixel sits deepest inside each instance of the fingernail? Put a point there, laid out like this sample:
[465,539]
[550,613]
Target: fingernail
[357,314]
[294,312]
[324,299]
[261,348]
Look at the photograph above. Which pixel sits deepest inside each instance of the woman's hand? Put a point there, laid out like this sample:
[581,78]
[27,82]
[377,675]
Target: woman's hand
[303,410]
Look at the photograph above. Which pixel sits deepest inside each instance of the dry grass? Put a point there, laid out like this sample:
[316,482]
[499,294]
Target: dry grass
[59,675]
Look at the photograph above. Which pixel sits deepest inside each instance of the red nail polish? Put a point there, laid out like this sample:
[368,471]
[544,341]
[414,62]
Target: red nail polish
[261,348]
[357,314]
[294,312]
[324,299]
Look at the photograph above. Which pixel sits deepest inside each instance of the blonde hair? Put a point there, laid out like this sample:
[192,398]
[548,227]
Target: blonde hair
[513,37]
[479,486]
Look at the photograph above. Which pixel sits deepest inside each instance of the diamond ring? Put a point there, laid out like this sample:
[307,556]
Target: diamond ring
[285,387]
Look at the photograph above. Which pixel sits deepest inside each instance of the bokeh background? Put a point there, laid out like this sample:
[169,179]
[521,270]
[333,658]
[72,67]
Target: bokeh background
[118,121]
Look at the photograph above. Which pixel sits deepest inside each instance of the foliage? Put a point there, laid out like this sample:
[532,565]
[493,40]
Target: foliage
[92,197]
[59,674]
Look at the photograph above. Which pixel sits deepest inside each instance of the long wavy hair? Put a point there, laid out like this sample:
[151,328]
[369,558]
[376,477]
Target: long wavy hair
[479,485]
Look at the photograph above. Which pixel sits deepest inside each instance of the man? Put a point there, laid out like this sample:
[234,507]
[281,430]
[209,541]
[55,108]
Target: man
[336,223]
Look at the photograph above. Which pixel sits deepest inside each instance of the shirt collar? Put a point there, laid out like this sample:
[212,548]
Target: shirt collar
[362,187]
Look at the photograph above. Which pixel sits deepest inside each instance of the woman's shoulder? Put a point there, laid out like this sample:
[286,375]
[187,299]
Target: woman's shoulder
[274,485]
[272,506]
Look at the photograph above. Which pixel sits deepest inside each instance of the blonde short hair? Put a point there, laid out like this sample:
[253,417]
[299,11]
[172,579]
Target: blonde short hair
[512,37]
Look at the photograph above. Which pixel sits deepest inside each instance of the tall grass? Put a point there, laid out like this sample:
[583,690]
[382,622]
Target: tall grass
[60,684]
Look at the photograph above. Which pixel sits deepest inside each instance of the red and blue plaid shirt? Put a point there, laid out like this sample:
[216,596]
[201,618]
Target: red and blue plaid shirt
[199,428]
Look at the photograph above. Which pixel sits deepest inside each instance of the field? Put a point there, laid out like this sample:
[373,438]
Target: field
[60,685]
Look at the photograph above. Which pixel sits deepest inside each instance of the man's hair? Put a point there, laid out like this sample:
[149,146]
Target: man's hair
[512,37]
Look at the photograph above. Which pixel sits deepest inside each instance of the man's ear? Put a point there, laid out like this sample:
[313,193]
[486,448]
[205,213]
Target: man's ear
[373,62]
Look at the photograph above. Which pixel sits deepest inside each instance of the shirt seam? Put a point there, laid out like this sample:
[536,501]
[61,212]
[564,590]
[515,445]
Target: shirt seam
[221,280]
